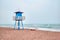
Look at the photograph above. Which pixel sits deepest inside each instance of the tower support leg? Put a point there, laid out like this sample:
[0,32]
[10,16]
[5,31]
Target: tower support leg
[22,24]
[18,25]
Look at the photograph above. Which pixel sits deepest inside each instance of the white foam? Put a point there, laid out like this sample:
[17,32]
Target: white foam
[43,29]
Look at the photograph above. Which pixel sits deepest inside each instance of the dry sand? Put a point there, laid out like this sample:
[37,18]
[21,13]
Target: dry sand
[11,34]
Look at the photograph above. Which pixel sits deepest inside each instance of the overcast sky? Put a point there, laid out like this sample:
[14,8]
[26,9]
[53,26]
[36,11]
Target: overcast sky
[35,11]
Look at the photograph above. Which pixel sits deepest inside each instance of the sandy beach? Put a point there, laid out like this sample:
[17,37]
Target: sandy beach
[11,34]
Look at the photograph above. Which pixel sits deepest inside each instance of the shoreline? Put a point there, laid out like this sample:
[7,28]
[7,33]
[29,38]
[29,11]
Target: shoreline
[42,29]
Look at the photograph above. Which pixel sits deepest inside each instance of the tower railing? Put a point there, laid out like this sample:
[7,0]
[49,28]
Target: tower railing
[19,18]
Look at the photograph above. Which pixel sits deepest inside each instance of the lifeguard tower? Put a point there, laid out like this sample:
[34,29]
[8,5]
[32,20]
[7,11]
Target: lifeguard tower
[18,20]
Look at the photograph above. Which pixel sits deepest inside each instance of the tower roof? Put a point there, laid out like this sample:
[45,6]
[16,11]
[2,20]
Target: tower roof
[19,12]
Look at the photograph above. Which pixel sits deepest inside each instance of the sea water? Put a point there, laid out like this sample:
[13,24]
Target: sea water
[50,26]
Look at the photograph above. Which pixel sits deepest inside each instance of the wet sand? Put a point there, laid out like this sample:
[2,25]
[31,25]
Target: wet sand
[11,34]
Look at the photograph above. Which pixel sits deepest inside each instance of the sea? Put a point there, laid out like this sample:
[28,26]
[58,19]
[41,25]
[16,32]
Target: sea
[50,26]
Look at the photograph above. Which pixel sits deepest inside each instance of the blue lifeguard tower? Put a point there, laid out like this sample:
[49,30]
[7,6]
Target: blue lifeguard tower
[19,19]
